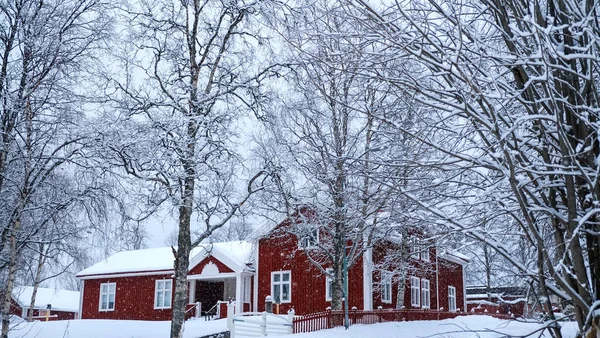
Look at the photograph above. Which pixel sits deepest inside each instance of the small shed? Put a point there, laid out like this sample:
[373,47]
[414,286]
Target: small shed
[62,304]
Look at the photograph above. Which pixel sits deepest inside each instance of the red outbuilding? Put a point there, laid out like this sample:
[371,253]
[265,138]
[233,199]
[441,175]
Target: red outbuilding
[50,304]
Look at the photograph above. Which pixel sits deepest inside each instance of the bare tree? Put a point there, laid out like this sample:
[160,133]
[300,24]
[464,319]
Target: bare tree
[45,47]
[516,84]
[190,73]
[340,162]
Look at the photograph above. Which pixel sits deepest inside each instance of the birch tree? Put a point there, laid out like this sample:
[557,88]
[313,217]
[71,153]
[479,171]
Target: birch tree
[341,163]
[44,47]
[516,81]
[191,72]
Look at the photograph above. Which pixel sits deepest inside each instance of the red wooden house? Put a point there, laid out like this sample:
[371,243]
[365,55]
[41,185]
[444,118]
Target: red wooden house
[433,278]
[138,284]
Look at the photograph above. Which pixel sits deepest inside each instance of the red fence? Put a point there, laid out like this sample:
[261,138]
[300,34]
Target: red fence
[330,318]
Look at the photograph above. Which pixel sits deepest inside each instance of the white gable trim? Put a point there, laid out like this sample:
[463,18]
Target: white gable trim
[214,252]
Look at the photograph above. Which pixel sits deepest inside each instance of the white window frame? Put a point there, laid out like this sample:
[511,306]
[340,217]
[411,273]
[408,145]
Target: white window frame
[415,292]
[309,241]
[160,286]
[246,289]
[451,298]
[425,294]
[281,282]
[425,253]
[328,285]
[415,248]
[108,293]
[386,287]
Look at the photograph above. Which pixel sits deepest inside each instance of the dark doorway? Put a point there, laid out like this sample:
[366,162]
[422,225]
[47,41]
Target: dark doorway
[209,293]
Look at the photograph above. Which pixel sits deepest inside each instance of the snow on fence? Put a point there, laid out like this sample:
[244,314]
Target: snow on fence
[332,318]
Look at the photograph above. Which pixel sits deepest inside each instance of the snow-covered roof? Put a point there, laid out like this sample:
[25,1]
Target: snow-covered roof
[61,300]
[156,259]
[454,256]
[234,254]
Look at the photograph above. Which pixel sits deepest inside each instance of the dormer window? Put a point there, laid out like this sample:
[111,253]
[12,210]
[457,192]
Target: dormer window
[309,239]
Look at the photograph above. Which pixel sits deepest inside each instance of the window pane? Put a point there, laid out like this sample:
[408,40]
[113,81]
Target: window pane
[276,277]
[286,292]
[167,302]
[277,292]
[112,288]
[286,277]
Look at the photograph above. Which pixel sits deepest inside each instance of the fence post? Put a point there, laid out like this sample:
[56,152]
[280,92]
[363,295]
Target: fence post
[269,304]
[230,313]
[291,314]
[264,324]
[198,309]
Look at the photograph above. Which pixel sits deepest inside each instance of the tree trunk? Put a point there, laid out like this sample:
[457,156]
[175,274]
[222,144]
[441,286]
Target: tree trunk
[12,266]
[36,282]
[184,238]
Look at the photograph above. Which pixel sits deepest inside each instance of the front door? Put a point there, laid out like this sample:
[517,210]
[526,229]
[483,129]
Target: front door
[209,293]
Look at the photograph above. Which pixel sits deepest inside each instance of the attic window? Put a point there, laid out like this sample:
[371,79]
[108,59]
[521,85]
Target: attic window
[309,239]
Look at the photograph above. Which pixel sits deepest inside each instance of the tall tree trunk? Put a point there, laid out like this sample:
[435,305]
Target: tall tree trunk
[36,282]
[184,237]
[12,267]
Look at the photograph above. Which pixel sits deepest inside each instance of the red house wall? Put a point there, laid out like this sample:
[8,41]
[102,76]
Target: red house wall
[451,274]
[414,268]
[280,253]
[15,308]
[134,299]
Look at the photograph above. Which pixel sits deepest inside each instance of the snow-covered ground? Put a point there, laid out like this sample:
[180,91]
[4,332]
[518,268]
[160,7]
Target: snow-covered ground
[461,327]
[90,328]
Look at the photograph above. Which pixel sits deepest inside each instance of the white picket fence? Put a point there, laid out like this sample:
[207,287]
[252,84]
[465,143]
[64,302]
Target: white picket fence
[258,324]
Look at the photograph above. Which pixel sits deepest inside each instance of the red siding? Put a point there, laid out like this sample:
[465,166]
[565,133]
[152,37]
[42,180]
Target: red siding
[198,268]
[451,274]
[15,308]
[134,299]
[55,315]
[508,304]
[280,252]
[414,268]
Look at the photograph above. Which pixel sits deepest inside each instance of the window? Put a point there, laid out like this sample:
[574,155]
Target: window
[246,289]
[415,292]
[329,285]
[425,294]
[281,286]
[386,287]
[107,296]
[414,248]
[162,294]
[309,239]
[425,253]
[451,298]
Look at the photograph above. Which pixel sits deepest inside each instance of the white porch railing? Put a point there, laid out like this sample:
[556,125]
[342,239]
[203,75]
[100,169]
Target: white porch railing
[258,324]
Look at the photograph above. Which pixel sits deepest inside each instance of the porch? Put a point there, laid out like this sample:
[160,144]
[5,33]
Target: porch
[214,292]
